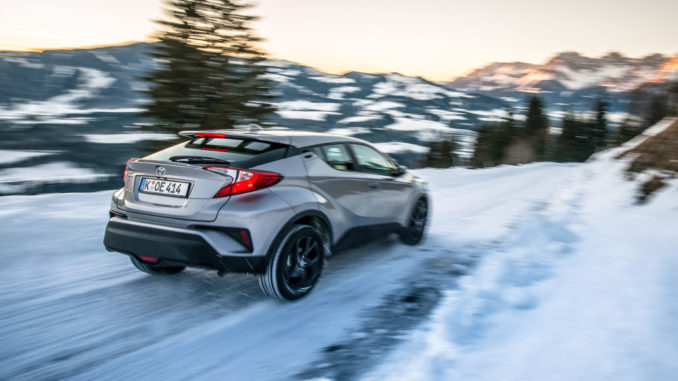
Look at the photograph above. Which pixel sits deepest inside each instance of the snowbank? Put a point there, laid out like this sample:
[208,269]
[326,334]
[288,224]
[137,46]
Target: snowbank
[583,289]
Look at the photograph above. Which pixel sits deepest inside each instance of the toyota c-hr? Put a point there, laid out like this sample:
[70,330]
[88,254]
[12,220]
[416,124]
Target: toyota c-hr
[275,203]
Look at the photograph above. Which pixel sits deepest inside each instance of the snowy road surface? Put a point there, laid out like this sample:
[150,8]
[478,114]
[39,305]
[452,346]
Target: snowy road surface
[69,309]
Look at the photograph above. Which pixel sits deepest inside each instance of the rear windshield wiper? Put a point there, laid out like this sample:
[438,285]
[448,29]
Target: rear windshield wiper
[198,159]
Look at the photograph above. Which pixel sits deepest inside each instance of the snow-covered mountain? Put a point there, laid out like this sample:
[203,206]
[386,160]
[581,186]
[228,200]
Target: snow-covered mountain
[570,79]
[75,113]
[69,119]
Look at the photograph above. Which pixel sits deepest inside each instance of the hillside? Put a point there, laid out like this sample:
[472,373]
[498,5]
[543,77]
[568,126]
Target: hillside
[582,289]
[69,119]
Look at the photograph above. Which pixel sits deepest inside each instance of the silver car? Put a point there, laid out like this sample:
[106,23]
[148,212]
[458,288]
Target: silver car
[270,202]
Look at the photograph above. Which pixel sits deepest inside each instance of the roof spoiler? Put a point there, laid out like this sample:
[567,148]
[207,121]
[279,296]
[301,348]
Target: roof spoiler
[250,133]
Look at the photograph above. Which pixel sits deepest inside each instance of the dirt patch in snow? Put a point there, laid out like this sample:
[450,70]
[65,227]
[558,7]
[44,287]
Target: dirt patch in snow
[657,152]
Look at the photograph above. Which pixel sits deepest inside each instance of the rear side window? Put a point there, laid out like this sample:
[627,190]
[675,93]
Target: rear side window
[337,157]
[243,152]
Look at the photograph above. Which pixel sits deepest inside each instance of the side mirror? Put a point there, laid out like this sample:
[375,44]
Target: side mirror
[399,170]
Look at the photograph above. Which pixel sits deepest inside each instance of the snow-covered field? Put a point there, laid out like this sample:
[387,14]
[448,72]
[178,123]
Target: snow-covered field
[558,276]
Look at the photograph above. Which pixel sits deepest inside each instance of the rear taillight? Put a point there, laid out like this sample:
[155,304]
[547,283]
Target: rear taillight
[243,181]
[124,176]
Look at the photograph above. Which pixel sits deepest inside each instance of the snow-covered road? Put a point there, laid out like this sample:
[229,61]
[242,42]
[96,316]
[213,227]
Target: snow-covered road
[70,309]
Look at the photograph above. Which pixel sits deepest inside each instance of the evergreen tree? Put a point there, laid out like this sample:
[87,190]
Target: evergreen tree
[490,147]
[599,127]
[210,72]
[536,127]
[632,127]
[657,110]
[442,152]
[567,140]
[493,141]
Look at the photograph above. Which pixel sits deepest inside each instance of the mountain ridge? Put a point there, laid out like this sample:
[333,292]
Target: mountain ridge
[570,78]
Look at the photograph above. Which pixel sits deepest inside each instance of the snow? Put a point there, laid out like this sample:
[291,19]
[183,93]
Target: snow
[349,131]
[579,79]
[128,138]
[105,57]
[359,119]
[332,79]
[582,288]
[302,109]
[23,62]
[406,124]
[427,130]
[91,82]
[14,179]
[48,120]
[276,77]
[69,309]
[398,147]
[415,88]
[447,115]
[14,156]
[310,115]
[379,106]
[572,281]
[307,105]
[339,92]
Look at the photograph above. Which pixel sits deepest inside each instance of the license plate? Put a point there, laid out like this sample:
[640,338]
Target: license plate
[164,187]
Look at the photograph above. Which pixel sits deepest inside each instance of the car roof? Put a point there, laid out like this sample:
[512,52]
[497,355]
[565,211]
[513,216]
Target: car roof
[277,135]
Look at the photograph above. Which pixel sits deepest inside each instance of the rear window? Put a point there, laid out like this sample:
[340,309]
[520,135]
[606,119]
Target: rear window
[244,152]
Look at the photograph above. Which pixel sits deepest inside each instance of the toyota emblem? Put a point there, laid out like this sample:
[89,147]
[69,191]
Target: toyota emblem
[160,170]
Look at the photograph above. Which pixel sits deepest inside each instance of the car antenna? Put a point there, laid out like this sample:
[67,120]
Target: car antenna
[253,127]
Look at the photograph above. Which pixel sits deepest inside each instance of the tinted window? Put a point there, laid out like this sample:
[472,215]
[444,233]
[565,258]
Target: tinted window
[337,157]
[243,151]
[371,160]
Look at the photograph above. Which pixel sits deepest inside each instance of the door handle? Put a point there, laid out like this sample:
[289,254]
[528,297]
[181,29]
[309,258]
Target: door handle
[373,185]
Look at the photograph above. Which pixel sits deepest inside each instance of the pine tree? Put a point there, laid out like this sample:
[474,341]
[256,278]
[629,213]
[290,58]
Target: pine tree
[657,110]
[211,72]
[490,146]
[599,127]
[442,152]
[536,127]
[566,142]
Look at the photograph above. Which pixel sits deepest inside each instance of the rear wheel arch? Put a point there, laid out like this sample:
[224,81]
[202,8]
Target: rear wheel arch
[314,218]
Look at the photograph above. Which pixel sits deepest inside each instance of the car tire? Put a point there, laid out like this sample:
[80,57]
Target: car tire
[416,224]
[155,270]
[295,265]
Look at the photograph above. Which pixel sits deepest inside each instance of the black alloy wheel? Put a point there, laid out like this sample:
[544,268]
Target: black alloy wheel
[296,265]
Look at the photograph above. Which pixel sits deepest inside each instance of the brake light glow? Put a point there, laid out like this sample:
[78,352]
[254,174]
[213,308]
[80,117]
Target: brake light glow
[124,176]
[210,135]
[148,259]
[214,149]
[243,181]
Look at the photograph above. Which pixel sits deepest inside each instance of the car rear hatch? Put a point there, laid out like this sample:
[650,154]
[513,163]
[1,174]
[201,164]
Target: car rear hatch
[187,180]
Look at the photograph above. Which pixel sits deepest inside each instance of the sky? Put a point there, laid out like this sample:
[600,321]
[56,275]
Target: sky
[436,39]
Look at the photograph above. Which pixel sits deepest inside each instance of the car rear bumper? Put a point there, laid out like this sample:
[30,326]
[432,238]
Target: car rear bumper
[181,246]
